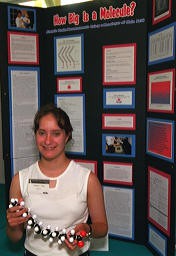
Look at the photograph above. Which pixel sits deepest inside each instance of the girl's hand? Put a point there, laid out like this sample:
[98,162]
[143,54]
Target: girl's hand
[71,244]
[80,232]
[14,216]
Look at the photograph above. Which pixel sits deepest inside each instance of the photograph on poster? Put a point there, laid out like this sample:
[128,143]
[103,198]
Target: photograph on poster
[157,240]
[69,84]
[118,121]
[161,10]
[119,64]
[24,84]
[91,165]
[161,45]
[122,145]
[118,173]
[69,54]
[161,87]
[21,18]
[119,204]
[159,199]
[23,48]
[119,98]
[160,138]
[74,106]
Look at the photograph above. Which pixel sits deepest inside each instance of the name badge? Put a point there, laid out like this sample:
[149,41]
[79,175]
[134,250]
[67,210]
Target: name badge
[39,186]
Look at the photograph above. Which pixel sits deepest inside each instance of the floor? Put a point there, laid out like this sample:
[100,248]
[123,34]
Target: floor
[116,248]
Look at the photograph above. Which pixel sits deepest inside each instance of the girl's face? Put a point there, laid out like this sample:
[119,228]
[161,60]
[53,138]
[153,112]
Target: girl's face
[50,138]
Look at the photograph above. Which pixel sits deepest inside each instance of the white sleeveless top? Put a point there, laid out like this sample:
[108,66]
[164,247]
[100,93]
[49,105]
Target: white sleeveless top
[63,206]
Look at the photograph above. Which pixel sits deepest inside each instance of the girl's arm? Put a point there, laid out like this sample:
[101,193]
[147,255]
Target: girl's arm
[15,221]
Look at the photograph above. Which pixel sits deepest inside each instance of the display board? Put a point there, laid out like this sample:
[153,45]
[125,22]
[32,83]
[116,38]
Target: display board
[81,58]
[93,55]
[160,127]
[90,59]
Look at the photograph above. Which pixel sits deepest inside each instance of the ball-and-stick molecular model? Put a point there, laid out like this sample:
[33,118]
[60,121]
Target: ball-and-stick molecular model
[46,232]
[16,202]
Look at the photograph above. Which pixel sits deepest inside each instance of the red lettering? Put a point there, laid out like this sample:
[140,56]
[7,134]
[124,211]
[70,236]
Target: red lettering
[113,13]
[59,20]
[73,18]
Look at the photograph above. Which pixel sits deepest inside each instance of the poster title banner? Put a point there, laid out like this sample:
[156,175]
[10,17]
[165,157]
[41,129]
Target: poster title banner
[103,14]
